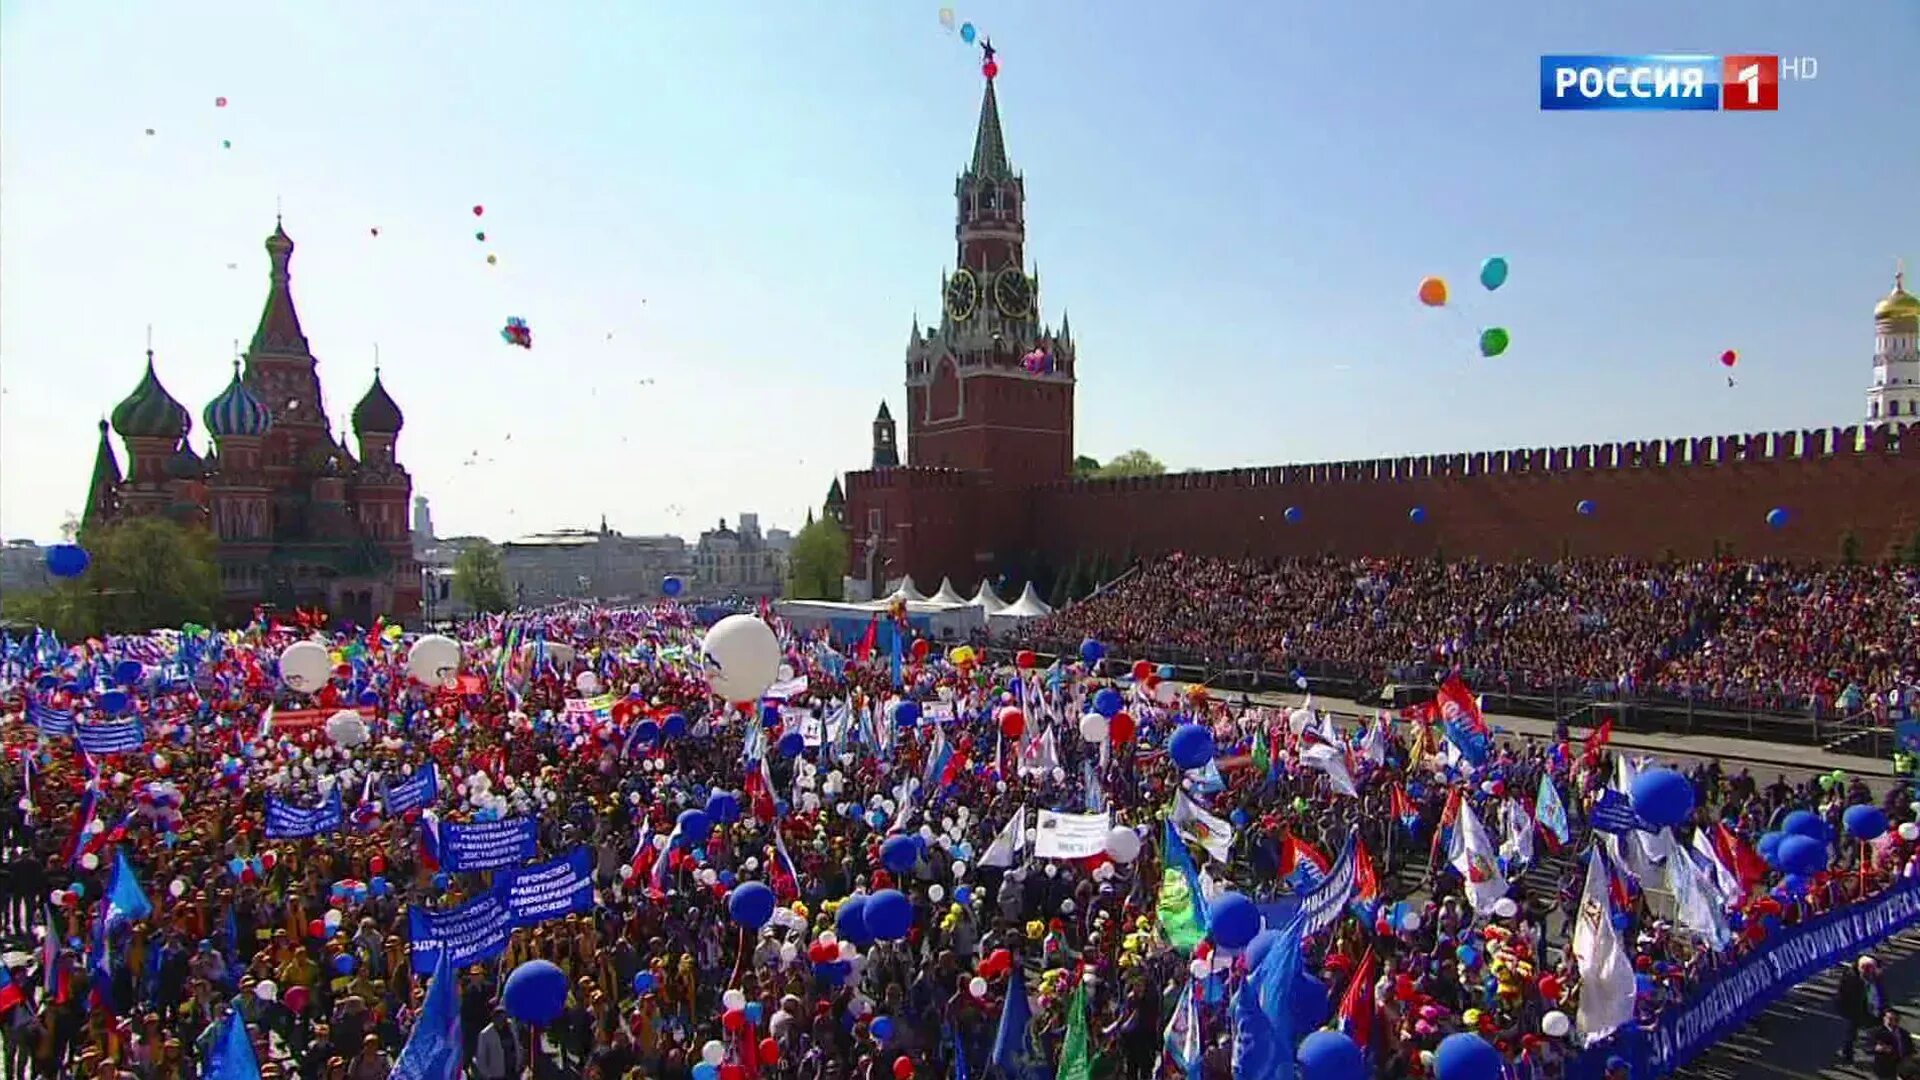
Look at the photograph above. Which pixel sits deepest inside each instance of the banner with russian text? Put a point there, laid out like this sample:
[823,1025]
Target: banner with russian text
[488,845]
[413,793]
[285,821]
[1071,836]
[472,933]
[550,890]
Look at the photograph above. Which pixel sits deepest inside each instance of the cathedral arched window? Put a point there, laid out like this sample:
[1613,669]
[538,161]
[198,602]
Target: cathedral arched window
[989,198]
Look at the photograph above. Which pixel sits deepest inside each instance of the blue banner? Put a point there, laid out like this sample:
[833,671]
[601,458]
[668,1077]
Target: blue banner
[110,736]
[489,845]
[1323,904]
[1791,957]
[1612,813]
[50,721]
[472,933]
[551,890]
[416,791]
[286,821]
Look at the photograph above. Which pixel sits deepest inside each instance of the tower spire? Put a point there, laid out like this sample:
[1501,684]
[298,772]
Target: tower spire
[989,144]
[279,330]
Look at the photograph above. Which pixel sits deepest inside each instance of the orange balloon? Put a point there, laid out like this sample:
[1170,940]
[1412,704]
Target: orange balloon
[1433,291]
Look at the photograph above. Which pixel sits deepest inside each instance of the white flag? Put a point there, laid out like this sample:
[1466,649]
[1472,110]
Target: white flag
[1518,845]
[1726,883]
[1200,826]
[1474,856]
[1606,974]
[1694,900]
[1011,845]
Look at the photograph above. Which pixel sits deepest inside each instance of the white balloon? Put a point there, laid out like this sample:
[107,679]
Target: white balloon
[90,861]
[848,950]
[977,986]
[265,990]
[1166,693]
[785,673]
[1411,922]
[959,869]
[332,917]
[713,1053]
[177,888]
[346,728]
[734,999]
[434,660]
[741,657]
[828,937]
[1123,845]
[936,892]
[1909,831]
[587,682]
[788,951]
[1505,908]
[1556,1024]
[1199,969]
[1093,727]
[305,666]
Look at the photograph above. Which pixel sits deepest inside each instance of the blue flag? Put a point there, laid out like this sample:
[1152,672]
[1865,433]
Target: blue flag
[126,902]
[231,1057]
[1014,1053]
[897,677]
[1263,1037]
[434,1049]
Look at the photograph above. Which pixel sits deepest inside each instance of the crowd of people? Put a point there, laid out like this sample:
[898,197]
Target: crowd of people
[165,920]
[1743,634]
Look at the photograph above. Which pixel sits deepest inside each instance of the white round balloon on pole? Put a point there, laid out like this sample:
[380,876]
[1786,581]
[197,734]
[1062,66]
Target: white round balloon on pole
[1093,727]
[1123,845]
[346,728]
[434,660]
[305,666]
[741,656]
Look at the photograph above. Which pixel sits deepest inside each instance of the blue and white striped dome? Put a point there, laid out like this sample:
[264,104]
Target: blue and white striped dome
[236,412]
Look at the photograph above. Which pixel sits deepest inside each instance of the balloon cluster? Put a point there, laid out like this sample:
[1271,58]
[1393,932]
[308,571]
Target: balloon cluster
[516,332]
[1039,361]
[1433,292]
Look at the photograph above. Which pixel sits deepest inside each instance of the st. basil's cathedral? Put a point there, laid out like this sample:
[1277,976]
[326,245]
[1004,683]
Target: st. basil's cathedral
[301,520]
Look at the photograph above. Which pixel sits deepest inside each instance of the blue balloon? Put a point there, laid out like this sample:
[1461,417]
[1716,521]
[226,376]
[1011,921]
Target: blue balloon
[1091,651]
[1584,507]
[906,713]
[1865,822]
[1797,885]
[442,881]
[1805,823]
[1107,702]
[646,733]
[728,878]
[962,896]
[1191,746]
[1769,845]
[704,1071]
[369,698]
[695,827]
[672,586]
[723,807]
[1417,515]
[128,672]
[1257,948]
[1167,671]
[889,915]
[67,560]
[1493,273]
[1777,517]
[751,905]
[114,702]
[754,1011]
[769,716]
[1331,1055]
[1312,1002]
[1801,855]
[1623,922]
[882,1028]
[1294,514]
[850,922]
[1232,921]
[791,744]
[536,993]
[378,886]
[899,853]
[675,726]
[1662,796]
[643,981]
[967,33]
[345,963]
[1466,1057]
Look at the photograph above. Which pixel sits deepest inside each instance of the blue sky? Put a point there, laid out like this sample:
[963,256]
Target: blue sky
[720,220]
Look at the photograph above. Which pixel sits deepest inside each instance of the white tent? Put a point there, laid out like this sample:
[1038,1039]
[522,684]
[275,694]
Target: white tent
[907,592]
[1029,606]
[986,598]
[947,595]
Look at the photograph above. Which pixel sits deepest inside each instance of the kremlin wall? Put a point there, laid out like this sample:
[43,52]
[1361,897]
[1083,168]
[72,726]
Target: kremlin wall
[991,376]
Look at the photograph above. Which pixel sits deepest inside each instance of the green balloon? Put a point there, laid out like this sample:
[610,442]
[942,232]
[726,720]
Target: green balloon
[1493,341]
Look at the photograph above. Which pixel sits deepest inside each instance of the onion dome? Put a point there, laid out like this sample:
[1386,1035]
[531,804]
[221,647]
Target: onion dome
[236,412]
[377,412]
[150,412]
[185,464]
[1900,305]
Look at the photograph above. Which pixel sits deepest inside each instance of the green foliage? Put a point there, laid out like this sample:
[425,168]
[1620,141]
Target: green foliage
[1133,463]
[1084,466]
[145,573]
[480,578]
[818,562]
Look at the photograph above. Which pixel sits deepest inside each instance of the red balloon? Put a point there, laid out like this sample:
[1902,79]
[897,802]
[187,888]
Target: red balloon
[1729,358]
[295,998]
[1026,660]
[920,648]
[1550,987]
[219,103]
[735,1019]
[1120,728]
[903,1065]
[1012,722]
[730,1071]
[478,210]
[1141,670]
[769,1052]
[343,671]
[377,864]
[316,929]
[990,69]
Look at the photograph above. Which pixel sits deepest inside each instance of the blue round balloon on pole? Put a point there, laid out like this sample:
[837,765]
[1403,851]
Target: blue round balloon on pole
[1800,855]
[850,922]
[889,915]
[695,827]
[899,854]
[1107,702]
[1777,517]
[67,560]
[1092,651]
[968,33]
[1191,746]
[1493,273]
[1232,921]
[1769,845]
[672,586]
[114,702]
[1417,515]
[128,672]
[1584,507]
[675,725]
[723,807]
[1294,514]
[1466,1057]
[1662,796]
[1805,823]
[791,744]
[1331,1055]
[906,713]
[536,993]
[751,905]
[1865,822]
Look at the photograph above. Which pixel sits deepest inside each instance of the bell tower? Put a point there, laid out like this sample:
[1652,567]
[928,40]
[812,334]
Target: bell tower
[990,388]
[886,452]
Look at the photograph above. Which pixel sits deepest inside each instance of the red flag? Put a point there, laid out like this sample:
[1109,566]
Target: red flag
[1598,738]
[1738,856]
[1294,851]
[1356,1005]
[863,652]
[1447,818]
[1366,884]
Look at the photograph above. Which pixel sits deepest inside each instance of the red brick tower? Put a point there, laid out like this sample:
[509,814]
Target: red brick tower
[990,389]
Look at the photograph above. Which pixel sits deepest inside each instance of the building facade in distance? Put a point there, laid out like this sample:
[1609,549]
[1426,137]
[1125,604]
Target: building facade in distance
[583,564]
[741,562]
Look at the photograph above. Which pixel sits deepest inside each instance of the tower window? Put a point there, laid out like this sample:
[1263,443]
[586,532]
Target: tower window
[989,199]
[1873,411]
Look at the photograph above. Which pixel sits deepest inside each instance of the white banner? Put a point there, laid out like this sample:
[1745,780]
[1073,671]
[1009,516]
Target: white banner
[1071,836]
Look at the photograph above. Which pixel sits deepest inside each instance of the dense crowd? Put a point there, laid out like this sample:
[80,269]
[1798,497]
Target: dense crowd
[1737,633]
[155,930]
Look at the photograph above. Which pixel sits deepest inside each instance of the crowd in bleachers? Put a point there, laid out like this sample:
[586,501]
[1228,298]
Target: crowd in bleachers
[1743,634]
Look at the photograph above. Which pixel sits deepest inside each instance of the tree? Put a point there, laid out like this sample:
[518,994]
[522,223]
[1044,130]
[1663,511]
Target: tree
[817,565]
[144,573]
[1133,463]
[1085,466]
[480,578]
[1849,549]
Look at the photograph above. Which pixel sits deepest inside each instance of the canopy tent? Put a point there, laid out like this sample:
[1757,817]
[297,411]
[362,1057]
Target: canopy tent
[1025,609]
[907,592]
[947,595]
[986,598]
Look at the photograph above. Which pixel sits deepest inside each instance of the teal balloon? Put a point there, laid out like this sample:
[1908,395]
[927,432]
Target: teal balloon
[967,33]
[1493,273]
[1494,341]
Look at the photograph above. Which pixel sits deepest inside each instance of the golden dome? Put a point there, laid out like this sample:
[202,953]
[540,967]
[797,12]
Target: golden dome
[1899,304]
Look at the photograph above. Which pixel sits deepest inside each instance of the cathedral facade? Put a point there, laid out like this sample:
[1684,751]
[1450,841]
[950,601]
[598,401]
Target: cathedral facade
[301,520]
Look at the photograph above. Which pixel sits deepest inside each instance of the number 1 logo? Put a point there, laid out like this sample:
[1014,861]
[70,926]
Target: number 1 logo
[1750,84]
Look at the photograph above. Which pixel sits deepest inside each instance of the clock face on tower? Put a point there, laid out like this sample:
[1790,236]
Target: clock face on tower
[963,295]
[1013,293]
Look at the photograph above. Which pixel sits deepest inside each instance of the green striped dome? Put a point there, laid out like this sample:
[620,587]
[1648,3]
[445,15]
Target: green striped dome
[150,412]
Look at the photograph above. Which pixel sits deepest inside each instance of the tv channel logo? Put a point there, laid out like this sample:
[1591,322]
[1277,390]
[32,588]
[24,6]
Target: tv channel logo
[1669,83]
